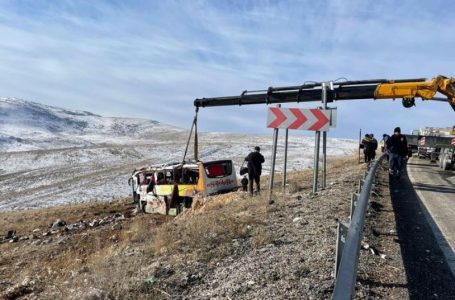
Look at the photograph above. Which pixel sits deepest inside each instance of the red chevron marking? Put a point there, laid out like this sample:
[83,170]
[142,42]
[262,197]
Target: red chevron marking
[322,120]
[280,117]
[300,118]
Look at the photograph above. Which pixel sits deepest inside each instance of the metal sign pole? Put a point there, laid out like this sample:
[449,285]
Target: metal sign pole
[272,169]
[324,159]
[316,161]
[285,159]
[324,138]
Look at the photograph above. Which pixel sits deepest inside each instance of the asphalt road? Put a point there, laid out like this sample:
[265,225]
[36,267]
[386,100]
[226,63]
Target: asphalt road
[436,190]
[425,251]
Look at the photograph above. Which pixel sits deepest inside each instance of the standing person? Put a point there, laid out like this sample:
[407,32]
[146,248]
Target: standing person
[383,142]
[244,183]
[374,145]
[397,146]
[255,161]
[367,147]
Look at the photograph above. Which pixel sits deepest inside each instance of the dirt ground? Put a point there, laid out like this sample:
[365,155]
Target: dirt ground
[230,247]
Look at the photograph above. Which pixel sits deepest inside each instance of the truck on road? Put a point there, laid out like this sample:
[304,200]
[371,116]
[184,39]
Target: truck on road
[437,144]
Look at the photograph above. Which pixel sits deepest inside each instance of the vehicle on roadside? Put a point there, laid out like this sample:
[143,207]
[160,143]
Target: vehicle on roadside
[169,189]
[437,144]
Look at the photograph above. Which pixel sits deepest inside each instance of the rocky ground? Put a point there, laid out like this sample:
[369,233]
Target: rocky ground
[230,247]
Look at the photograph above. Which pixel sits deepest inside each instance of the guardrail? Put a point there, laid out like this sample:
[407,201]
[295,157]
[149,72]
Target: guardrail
[346,272]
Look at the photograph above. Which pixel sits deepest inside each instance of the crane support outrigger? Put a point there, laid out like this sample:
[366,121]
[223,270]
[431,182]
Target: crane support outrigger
[406,89]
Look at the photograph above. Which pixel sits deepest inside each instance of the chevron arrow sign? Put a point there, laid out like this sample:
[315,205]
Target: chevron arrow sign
[300,119]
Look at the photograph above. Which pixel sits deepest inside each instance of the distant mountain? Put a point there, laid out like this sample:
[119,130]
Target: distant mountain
[26,125]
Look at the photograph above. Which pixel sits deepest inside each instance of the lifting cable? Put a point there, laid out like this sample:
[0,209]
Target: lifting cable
[193,125]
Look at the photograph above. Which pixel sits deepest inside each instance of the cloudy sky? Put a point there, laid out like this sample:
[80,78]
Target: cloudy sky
[151,59]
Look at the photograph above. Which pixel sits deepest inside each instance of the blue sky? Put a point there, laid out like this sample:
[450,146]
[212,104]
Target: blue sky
[151,59]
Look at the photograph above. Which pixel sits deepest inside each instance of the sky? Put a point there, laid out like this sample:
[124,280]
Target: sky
[151,59]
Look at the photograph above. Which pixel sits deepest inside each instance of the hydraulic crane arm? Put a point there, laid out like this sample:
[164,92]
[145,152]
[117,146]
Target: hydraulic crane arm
[407,89]
[425,90]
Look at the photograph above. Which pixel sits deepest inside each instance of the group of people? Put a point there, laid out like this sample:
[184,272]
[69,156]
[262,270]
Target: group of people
[370,145]
[396,147]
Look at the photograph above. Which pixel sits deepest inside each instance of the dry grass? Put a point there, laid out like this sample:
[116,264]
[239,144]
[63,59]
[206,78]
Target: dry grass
[209,232]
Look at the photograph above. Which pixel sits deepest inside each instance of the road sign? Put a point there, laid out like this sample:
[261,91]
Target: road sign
[300,119]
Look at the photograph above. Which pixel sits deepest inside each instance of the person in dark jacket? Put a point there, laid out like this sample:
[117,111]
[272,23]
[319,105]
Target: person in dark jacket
[255,161]
[397,147]
[374,146]
[368,146]
[383,143]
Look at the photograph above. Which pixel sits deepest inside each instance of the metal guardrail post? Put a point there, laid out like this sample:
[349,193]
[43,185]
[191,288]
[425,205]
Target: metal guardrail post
[342,232]
[347,271]
[354,200]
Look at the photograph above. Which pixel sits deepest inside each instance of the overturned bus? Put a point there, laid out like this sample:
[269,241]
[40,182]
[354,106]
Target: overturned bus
[169,188]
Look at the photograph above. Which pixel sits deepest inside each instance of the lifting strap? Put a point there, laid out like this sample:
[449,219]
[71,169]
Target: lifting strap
[196,145]
[194,125]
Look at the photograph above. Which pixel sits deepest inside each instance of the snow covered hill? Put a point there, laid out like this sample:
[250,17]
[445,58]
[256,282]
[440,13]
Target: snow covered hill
[50,155]
[26,125]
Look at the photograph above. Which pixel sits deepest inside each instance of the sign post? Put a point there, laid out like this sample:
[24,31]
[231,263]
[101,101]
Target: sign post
[300,119]
[285,159]
[324,134]
[317,141]
[272,168]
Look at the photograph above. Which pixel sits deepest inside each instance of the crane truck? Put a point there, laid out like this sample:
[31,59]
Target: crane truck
[406,89]
[438,144]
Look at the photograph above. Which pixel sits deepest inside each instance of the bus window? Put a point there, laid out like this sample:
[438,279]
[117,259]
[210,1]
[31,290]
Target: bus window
[218,169]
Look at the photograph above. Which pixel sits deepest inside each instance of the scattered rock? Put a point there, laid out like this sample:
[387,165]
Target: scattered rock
[119,217]
[74,274]
[94,223]
[11,234]
[95,294]
[19,290]
[35,242]
[297,219]
[251,282]
[114,238]
[58,223]
[117,226]
[47,241]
